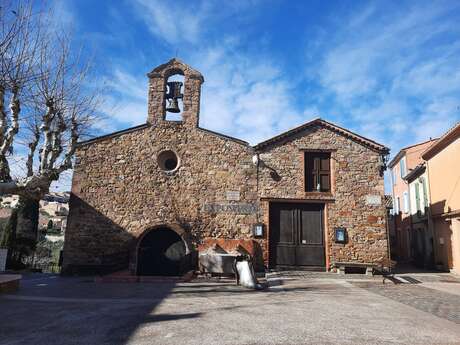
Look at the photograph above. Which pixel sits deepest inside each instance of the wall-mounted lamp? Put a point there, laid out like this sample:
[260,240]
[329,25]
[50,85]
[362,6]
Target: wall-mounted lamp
[340,235]
[260,163]
[383,160]
[258,230]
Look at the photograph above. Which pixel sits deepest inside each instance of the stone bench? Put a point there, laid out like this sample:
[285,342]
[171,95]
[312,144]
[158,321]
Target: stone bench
[341,266]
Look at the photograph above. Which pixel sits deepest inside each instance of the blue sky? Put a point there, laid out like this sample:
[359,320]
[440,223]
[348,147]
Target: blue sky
[388,70]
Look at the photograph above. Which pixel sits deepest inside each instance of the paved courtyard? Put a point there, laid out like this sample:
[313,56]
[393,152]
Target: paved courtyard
[306,308]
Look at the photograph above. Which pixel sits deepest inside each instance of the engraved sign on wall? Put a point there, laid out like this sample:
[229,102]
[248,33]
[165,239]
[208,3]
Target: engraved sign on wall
[233,195]
[239,208]
[373,200]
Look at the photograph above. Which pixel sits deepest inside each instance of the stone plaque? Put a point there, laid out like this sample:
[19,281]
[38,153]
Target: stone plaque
[231,208]
[233,195]
[373,200]
[3,253]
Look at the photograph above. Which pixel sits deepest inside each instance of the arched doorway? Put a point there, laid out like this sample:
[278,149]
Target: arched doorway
[161,252]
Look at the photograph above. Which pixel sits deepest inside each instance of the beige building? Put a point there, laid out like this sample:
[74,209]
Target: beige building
[54,208]
[443,168]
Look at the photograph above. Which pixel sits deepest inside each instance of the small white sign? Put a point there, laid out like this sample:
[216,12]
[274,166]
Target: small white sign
[373,200]
[3,253]
[233,195]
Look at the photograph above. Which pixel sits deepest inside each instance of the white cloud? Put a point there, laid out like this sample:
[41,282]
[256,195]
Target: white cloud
[394,76]
[125,112]
[134,87]
[171,21]
[438,117]
[176,22]
[62,15]
[244,97]
[379,74]
[125,101]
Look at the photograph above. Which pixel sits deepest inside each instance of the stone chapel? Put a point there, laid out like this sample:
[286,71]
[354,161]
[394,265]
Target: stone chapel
[150,198]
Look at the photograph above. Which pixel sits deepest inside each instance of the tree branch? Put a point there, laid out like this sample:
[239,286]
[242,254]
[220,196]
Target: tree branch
[3,121]
[57,140]
[32,148]
[38,68]
[45,128]
[15,109]
[74,135]
[33,187]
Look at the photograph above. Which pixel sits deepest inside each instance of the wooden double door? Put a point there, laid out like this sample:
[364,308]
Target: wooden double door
[297,235]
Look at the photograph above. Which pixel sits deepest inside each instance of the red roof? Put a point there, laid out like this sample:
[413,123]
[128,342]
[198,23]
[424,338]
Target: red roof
[451,135]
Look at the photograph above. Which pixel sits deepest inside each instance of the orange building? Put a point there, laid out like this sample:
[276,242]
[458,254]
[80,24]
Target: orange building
[443,168]
[401,165]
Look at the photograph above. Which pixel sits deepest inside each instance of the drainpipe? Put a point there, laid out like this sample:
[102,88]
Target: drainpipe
[431,227]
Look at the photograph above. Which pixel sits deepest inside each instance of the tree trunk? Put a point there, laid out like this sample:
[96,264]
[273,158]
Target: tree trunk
[9,232]
[27,226]
[4,170]
[8,239]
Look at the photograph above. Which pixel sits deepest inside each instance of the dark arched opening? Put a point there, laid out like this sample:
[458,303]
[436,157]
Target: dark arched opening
[161,252]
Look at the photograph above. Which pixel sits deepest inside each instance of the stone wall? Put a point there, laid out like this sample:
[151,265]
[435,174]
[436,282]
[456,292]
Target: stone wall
[355,177]
[119,191]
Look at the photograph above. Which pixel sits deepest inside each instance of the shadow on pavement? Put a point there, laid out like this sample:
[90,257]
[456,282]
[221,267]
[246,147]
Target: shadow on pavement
[74,310]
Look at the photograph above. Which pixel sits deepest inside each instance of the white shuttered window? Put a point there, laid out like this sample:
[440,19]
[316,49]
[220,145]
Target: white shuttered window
[405,202]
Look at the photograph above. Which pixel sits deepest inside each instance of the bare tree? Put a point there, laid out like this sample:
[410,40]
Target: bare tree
[50,102]
[50,106]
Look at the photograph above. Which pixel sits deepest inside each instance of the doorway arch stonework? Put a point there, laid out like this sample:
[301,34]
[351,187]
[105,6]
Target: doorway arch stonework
[176,228]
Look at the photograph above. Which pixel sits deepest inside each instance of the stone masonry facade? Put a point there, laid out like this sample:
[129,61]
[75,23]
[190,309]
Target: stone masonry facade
[217,193]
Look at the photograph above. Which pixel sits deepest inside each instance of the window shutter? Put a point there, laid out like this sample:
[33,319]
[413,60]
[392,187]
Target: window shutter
[317,172]
[406,202]
[324,182]
[316,163]
[324,165]
[316,176]
[417,196]
[309,172]
[402,167]
[425,194]
[325,172]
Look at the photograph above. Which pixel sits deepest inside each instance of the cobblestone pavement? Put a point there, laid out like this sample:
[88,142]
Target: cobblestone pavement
[319,275]
[442,304]
[423,277]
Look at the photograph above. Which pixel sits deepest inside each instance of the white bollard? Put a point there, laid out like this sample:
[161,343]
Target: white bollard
[245,275]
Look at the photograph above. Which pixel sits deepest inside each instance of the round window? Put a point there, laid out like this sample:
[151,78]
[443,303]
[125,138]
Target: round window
[168,161]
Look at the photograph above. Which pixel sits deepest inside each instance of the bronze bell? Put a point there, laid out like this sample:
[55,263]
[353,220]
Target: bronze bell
[173,95]
[173,106]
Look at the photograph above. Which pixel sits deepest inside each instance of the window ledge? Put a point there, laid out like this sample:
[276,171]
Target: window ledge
[319,195]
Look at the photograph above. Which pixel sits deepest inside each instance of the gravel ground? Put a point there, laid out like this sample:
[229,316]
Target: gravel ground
[296,309]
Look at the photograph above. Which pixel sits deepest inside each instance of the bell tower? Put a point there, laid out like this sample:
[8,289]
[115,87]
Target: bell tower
[169,96]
